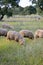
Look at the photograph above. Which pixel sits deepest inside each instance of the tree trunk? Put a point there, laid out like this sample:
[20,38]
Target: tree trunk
[1,17]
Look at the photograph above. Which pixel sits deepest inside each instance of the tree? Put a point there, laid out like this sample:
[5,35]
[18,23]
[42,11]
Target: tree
[29,10]
[40,4]
[32,10]
[7,10]
[39,7]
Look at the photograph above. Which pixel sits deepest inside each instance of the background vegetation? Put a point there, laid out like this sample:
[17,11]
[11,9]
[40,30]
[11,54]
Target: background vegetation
[15,9]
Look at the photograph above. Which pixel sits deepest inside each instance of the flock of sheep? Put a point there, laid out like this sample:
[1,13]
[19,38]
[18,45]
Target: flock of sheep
[19,36]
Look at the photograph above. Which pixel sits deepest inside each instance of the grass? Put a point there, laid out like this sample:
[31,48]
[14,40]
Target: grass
[31,53]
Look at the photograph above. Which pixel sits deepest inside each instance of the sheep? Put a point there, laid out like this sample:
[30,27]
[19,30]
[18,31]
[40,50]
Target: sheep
[38,33]
[3,32]
[27,34]
[7,26]
[13,35]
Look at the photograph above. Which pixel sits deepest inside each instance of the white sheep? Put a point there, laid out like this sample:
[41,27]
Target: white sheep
[27,33]
[13,35]
[3,32]
[38,33]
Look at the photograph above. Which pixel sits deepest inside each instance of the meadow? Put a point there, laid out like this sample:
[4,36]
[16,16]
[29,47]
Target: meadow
[31,53]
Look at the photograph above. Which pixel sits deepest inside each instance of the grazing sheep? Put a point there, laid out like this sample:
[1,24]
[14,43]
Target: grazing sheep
[13,35]
[39,34]
[7,26]
[3,32]
[27,33]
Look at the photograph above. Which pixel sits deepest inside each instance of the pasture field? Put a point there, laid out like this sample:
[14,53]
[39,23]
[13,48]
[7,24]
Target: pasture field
[31,53]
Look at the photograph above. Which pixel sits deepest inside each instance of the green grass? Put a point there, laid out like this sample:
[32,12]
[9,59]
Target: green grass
[31,53]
